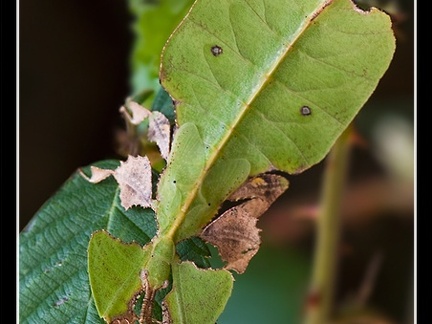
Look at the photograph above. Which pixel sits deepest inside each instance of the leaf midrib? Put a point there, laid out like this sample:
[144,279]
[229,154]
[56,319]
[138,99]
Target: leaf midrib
[215,154]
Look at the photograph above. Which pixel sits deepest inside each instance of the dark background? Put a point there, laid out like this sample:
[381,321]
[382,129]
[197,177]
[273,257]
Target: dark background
[74,76]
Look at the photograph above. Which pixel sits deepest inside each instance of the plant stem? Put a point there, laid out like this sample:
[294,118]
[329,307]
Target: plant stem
[319,302]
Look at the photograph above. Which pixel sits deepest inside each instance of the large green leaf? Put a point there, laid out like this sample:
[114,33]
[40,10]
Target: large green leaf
[53,280]
[273,82]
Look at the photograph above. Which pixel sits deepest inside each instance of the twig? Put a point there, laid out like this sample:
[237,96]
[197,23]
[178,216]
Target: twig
[319,303]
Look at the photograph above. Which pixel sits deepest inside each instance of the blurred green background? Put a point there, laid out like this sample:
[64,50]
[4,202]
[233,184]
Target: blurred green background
[75,72]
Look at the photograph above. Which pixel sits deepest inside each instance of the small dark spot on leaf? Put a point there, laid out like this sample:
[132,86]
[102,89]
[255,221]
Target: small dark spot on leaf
[216,50]
[174,181]
[209,204]
[305,111]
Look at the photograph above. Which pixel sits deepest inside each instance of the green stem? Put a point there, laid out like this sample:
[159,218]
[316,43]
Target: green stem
[319,303]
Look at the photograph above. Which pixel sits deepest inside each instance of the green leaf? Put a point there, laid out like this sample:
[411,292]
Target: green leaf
[198,295]
[163,103]
[114,271]
[272,82]
[154,22]
[194,249]
[53,280]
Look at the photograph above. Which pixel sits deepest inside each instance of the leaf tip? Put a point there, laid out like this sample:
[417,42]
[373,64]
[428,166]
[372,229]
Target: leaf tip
[97,174]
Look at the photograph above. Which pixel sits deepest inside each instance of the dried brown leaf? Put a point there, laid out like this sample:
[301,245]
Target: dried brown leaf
[98,174]
[139,113]
[262,191]
[236,236]
[234,233]
[135,182]
[159,132]
[134,178]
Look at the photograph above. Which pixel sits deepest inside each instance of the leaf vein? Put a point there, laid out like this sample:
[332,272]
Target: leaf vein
[274,126]
[310,102]
[338,68]
[224,42]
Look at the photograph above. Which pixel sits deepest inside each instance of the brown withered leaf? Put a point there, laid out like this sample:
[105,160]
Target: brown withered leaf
[135,182]
[234,233]
[139,113]
[236,236]
[97,174]
[134,178]
[160,132]
[260,191]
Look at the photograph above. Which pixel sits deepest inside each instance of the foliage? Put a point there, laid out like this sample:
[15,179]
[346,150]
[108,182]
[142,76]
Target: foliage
[258,87]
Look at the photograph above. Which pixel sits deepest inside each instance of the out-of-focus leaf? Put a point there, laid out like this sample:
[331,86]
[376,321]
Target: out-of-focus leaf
[275,283]
[153,22]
